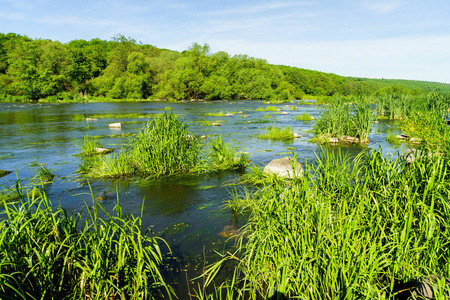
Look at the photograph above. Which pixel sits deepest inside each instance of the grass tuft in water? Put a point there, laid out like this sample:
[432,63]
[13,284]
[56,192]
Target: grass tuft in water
[275,134]
[223,157]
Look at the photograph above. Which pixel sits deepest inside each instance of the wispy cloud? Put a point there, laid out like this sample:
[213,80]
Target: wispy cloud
[253,9]
[383,6]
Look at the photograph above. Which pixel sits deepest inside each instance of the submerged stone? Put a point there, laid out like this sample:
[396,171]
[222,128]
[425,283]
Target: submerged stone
[283,167]
[429,286]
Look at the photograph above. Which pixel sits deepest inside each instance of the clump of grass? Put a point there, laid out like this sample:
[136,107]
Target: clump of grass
[164,147]
[304,117]
[215,114]
[268,108]
[78,117]
[167,108]
[89,145]
[393,139]
[340,119]
[49,254]
[275,134]
[44,175]
[223,157]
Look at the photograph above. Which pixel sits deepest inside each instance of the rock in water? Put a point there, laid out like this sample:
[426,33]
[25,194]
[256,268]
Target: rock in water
[103,150]
[115,125]
[283,167]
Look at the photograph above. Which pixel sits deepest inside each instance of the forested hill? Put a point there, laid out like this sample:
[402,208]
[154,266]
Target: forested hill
[32,69]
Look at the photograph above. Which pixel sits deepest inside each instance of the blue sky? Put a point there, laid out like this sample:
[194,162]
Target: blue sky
[400,39]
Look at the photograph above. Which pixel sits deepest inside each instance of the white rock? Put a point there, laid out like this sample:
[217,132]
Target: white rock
[283,167]
[115,125]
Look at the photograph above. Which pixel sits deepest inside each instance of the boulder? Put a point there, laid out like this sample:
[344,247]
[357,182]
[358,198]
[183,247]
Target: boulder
[427,288]
[115,125]
[203,137]
[296,135]
[333,140]
[411,155]
[284,113]
[402,136]
[229,115]
[350,139]
[216,124]
[283,167]
[103,150]
[91,119]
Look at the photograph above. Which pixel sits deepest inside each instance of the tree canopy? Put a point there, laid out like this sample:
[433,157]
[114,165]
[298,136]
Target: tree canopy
[123,69]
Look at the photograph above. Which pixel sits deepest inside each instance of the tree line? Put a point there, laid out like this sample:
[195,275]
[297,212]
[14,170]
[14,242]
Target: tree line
[32,69]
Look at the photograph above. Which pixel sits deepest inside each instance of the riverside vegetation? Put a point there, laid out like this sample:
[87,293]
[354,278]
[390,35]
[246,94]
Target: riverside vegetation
[368,227]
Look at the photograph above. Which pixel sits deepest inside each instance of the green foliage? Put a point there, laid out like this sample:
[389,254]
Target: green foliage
[48,254]
[122,69]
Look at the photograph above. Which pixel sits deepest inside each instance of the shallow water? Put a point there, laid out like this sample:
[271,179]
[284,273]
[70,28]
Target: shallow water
[186,211]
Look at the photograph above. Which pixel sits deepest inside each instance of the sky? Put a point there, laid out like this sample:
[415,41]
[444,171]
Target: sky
[395,39]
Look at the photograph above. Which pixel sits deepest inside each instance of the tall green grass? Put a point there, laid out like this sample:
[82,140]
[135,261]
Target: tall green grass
[164,147]
[362,228]
[48,254]
[342,119]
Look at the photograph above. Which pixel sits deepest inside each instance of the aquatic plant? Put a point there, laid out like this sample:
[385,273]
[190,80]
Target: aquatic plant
[164,147]
[223,157]
[275,133]
[340,119]
[43,175]
[48,254]
[363,228]
[268,108]
[304,117]
[88,148]
[78,117]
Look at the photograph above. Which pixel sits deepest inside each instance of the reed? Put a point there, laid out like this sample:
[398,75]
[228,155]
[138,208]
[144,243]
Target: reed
[349,228]
[48,254]
[342,119]
[78,117]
